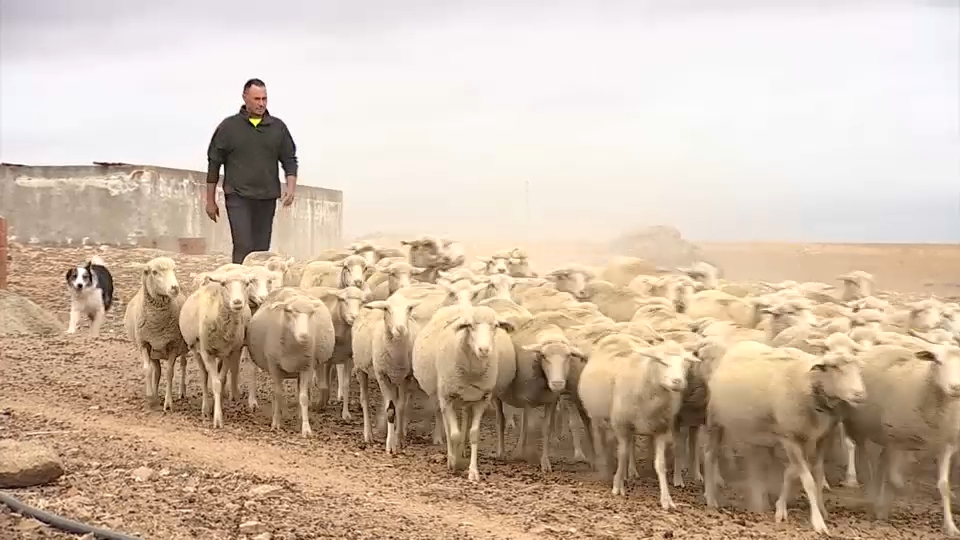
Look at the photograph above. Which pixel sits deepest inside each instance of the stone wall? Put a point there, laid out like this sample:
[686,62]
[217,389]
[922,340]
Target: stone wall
[143,205]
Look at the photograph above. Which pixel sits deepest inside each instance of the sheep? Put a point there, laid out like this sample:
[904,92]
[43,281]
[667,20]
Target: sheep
[435,253]
[258,257]
[913,403]
[457,364]
[547,366]
[263,281]
[677,289]
[434,297]
[544,298]
[617,302]
[705,273]
[856,285]
[519,264]
[498,263]
[923,316]
[348,272]
[631,387]
[761,395]
[571,278]
[213,322]
[397,275]
[151,321]
[290,338]
[344,307]
[722,306]
[383,338]
[620,270]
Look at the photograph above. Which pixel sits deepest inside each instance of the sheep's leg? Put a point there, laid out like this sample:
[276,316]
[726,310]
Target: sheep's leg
[183,377]
[881,494]
[660,466]
[389,393]
[476,416]
[601,461]
[464,429]
[757,486]
[632,464]
[895,475]
[331,370]
[624,443]
[147,374]
[155,377]
[74,320]
[588,430]
[820,474]
[205,407]
[321,378]
[252,402]
[454,436]
[509,415]
[305,379]
[521,450]
[403,404]
[343,380]
[168,392]
[693,452]
[277,421]
[850,480]
[96,323]
[501,426]
[439,425]
[232,369]
[214,376]
[943,485]
[549,414]
[679,447]
[362,381]
[798,462]
[711,463]
[789,475]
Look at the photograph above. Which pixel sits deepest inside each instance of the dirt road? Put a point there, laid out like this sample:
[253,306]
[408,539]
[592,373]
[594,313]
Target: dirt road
[84,398]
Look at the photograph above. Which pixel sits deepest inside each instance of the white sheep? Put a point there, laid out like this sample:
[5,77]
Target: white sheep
[152,324]
[347,272]
[761,396]
[722,306]
[397,275]
[213,323]
[621,270]
[290,338]
[457,365]
[913,403]
[383,338]
[571,278]
[631,388]
[617,302]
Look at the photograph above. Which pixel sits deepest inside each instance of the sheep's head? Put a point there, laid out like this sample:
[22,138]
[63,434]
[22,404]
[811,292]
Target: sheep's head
[233,288]
[838,373]
[400,274]
[924,315]
[263,281]
[396,314]
[463,291]
[672,359]
[569,280]
[159,278]
[279,264]
[349,302]
[497,264]
[425,251]
[366,250]
[297,312]
[478,327]
[946,355]
[794,312]
[554,355]
[457,275]
[703,272]
[856,284]
[677,289]
[352,271]
[873,318]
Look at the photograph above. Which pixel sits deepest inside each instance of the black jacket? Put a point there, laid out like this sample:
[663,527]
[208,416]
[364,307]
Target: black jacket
[249,155]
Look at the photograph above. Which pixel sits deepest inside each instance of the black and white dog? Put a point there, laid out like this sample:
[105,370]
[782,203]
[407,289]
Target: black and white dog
[91,293]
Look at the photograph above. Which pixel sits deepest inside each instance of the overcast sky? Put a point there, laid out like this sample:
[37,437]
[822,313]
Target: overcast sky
[776,119]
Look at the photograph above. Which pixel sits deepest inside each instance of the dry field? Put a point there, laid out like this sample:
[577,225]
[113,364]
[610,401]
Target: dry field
[84,398]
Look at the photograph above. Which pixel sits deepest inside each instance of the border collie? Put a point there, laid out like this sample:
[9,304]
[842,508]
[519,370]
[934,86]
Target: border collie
[90,287]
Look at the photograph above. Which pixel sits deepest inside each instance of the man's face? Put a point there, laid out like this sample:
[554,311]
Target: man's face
[255,98]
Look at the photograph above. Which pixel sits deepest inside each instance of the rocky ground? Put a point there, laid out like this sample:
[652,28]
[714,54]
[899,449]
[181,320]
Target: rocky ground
[130,467]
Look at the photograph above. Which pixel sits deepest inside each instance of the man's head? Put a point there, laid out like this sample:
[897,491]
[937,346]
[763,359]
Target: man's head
[255,97]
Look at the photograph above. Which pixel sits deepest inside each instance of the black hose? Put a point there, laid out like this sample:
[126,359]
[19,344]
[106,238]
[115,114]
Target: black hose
[60,522]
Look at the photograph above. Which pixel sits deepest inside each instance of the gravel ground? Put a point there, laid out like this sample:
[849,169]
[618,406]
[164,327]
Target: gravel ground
[133,468]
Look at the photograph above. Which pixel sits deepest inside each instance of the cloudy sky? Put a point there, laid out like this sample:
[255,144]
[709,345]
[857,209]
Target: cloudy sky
[748,119]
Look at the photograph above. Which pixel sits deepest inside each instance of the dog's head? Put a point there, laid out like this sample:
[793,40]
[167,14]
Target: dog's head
[80,278]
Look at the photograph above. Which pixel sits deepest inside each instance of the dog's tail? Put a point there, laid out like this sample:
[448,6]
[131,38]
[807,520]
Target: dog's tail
[97,261]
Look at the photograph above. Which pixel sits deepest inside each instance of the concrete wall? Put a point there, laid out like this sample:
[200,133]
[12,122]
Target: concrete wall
[147,206]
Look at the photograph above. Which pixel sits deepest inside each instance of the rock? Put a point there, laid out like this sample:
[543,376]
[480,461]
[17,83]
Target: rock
[252,527]
[263,536]
[142,474]
[26,464]
[265,491]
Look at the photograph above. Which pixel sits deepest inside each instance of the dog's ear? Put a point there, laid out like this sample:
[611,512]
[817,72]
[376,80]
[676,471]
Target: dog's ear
[71,274]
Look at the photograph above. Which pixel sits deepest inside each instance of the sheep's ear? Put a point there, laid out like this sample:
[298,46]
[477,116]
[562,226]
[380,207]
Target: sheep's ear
[417,270]
[485,260]
[929,356]
[919,335]
[462,324]
[377,304]
[819,364]
[533,347]
[478,288]
[578,354]
[506,325]
[818,343]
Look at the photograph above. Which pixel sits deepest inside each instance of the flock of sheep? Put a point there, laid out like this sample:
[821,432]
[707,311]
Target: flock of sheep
[681,356]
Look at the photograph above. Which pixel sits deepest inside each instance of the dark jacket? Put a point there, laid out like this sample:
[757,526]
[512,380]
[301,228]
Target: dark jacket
[249,155]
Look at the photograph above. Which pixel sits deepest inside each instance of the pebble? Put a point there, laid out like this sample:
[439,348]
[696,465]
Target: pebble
[263,536]
[265,491]
[142,474]
[252,527]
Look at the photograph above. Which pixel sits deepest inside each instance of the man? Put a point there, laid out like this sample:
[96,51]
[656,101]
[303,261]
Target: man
[248,145]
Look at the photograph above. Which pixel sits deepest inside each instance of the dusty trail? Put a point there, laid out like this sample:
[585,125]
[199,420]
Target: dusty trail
[84,398]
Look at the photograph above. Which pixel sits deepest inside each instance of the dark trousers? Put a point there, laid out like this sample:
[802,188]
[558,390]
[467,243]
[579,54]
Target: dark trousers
[251,224]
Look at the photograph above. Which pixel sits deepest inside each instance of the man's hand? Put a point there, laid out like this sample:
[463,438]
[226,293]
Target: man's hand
[213,211]
[288,196]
